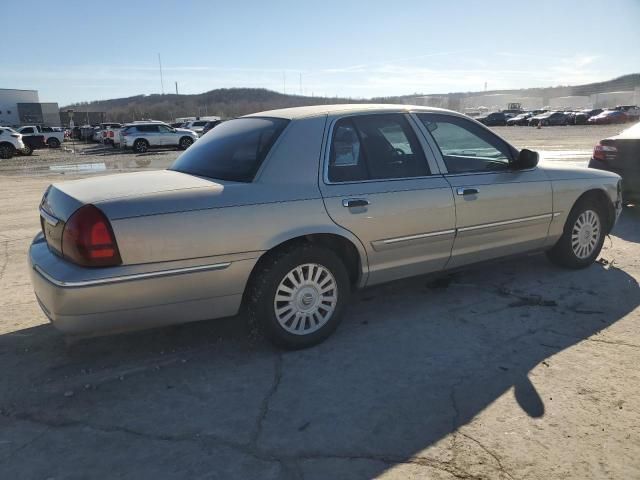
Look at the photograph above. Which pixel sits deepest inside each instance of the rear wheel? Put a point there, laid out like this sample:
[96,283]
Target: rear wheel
[7,151]
[27,150]
[140,146]
[185,142]
[583,236]
[53,142]
[297,295]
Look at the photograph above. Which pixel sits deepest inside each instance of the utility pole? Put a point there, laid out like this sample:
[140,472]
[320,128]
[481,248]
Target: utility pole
[284,83]
[300,83]
[161,80]
[176,88]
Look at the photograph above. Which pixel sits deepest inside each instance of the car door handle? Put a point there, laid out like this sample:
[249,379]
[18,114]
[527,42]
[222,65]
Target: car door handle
[468,191]
[355,202]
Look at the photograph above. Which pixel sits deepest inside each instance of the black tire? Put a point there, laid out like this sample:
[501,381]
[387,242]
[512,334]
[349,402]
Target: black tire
[185,142]
[7,151]
[140,146]
[27,150]
[563,252]
[53,142]
[260,301]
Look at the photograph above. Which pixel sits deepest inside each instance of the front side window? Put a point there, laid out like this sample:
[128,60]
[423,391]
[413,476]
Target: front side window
[27,130]
[466,147]
[375,147]
[234,150]
[165,129]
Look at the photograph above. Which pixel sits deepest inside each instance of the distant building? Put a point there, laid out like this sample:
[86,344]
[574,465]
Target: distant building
[23,107]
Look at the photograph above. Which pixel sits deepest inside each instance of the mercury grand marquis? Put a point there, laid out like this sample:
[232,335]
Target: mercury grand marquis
[281,214]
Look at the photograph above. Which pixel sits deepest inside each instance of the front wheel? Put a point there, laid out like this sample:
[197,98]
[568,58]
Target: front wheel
[298,294]
[583,236]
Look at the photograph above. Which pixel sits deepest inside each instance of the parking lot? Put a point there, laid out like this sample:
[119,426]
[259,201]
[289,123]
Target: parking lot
[518,370]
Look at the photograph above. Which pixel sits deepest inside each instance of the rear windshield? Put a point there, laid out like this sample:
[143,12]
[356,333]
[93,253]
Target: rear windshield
[233,151]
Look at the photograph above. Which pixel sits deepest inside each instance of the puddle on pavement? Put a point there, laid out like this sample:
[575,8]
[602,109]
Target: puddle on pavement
[79,167]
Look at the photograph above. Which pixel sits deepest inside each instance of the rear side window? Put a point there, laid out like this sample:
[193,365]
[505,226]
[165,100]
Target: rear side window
[233,150]
[147,128]
[199,124]
[375,147]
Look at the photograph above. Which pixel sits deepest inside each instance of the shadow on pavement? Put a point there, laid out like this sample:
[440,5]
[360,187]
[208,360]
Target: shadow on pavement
[410,365]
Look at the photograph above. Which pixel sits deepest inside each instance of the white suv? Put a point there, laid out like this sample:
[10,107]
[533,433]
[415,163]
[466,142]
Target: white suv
[10,142]
[144,135]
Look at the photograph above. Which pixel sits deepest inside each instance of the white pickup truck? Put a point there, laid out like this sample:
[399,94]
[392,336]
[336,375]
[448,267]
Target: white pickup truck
[52,137]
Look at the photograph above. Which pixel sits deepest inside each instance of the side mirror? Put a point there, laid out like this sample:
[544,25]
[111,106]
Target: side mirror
[526,159]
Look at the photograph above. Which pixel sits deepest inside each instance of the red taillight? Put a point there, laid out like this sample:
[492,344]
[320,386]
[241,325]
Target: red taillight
[604,152]
[111,133]
[88,239]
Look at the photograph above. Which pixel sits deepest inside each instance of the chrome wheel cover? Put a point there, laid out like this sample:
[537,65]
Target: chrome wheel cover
[585,234]
[305,299]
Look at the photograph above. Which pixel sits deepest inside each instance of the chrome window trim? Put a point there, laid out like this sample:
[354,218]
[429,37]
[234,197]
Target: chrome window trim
[329,138]
[506,222]
[419,236]
[134,276]
[490,172]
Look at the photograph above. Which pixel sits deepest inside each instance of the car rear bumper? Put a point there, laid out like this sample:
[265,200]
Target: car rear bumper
[85,302]
[630,180]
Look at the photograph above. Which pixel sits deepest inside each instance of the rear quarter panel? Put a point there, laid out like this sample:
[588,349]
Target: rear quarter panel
[282,203]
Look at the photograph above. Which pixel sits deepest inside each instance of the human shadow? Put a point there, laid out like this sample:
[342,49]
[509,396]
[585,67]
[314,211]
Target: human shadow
[411,365]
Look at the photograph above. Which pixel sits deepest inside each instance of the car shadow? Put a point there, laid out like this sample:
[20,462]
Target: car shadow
[413,362]
[628,226]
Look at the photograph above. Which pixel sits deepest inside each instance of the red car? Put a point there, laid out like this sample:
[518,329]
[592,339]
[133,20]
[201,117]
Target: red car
[608,117]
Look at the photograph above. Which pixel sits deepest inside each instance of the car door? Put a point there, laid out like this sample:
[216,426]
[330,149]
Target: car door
[166,135]
[380,182]
[151,133]
[500,210]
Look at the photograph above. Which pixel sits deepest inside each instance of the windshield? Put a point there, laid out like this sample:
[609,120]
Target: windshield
[232,151]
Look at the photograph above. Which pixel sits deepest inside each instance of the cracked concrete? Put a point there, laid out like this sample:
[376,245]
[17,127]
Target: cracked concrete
[454,382]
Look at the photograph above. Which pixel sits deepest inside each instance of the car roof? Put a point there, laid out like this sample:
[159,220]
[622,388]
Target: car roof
[319,110]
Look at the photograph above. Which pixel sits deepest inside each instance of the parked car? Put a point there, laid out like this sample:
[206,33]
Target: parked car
[285,212]
[197,126]
[494,119]
[621,154]
[209,125]
[10,143]
[51,137]
[520,120]
[582,116]
[548,118]
[177,125]
[110,133]
[632,112]
[32,140]
[141,136]
[608,117]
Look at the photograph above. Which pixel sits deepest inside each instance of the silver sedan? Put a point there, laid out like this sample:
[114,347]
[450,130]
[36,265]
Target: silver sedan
[284,213]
